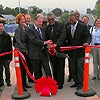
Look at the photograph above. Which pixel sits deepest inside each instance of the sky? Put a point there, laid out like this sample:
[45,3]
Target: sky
[48,5]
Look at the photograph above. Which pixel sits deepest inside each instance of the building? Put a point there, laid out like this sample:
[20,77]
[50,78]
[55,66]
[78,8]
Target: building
[10,19]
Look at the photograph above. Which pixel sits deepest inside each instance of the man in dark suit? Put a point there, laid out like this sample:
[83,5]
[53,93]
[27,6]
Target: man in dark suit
[37,48]
[5,46]
[77,15]
[28,24]
[27,20]
[77,34]
[56,32]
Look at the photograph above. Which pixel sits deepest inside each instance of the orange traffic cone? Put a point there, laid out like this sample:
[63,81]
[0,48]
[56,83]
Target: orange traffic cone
[20,94]
[86,92]
[18,72]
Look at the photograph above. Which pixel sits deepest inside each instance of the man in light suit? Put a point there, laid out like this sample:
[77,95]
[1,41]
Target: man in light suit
[37,48]
[77,34]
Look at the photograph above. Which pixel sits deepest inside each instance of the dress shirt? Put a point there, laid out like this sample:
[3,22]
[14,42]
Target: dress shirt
[73,28]
[95,36]
[39,31]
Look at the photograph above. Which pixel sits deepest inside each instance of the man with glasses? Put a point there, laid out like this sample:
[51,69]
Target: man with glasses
[55,31]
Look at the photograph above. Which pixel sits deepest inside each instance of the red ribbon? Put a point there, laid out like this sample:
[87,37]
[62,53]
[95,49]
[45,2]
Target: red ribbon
[52,50]
[25,66]
[70,48]
[6,53]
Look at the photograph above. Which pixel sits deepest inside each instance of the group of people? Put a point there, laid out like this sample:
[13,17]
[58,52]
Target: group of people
[34,41]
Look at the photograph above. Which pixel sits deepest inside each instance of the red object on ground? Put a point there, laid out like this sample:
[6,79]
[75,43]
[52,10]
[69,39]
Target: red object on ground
[46,86]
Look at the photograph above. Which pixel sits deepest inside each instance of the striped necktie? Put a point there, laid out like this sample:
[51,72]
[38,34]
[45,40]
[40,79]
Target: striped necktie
[40,33]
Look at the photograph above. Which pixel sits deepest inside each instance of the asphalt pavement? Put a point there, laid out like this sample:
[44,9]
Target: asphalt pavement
[66,93]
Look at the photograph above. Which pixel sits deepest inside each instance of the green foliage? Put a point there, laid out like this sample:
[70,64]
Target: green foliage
[13,11]
[33,10]
[97,7]
[57,12]
[96,10]
[1,9]
[89,11]
[64,17]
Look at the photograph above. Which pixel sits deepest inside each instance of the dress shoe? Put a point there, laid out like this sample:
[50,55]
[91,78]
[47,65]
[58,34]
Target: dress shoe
[72,86]
[27,86]
[8,84]
[60,86]
[79,88]
[2,84]
[31,81]
[94,78]
[24,89]
[69,79]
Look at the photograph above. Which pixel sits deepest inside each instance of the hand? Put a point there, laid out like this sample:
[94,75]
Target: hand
[48,42]
[85,44]
[9,61]
[26,52]
[53,45]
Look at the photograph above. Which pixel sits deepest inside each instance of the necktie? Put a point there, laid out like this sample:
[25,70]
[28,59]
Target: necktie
[40,33]
[52,30]
[72,30]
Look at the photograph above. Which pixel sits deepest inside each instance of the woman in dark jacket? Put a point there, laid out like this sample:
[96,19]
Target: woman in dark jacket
[21,44]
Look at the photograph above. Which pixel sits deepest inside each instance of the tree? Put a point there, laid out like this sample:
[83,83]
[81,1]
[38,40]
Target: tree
[98,2]
[33,10]
[1,9]
[7,10]
[22,10]
[57,12]
[97,8]
[89,11]
[64,17]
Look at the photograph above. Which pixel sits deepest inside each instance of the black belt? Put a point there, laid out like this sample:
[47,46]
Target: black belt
[96,43]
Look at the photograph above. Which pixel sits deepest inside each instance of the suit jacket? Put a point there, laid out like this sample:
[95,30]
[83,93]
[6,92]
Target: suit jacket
[81,36]
[21,39]
[58,34]
[35,43]
[5,45]
[89,26]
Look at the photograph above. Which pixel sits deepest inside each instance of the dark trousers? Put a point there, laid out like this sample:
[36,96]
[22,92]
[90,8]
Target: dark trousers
[4,63]
[77,69]
[58,65]
[38,64]
[23,72]
[29,67]
[70,76]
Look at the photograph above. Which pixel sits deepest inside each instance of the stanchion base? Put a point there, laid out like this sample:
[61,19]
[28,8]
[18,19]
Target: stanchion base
[23,96]
[85,94]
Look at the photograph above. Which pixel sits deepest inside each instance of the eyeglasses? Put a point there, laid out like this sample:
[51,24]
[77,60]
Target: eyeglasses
[51,19]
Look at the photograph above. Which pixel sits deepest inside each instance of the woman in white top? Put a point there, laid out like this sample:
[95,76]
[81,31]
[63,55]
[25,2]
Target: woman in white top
[96,51]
